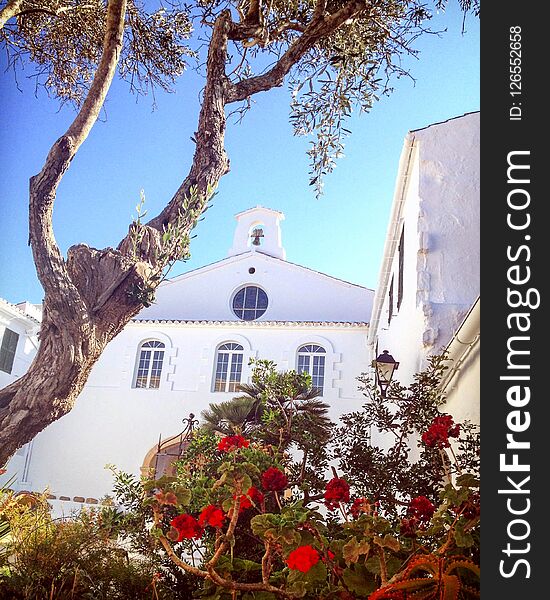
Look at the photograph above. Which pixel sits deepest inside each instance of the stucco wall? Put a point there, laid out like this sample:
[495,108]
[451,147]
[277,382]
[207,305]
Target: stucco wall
[113,422]
[295,293]
[441,221]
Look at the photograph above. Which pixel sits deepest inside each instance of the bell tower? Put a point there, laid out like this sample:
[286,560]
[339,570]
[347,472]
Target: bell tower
[258,229]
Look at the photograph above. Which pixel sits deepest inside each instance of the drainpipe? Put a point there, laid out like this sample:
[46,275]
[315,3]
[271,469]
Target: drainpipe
[462,343]
[392,238]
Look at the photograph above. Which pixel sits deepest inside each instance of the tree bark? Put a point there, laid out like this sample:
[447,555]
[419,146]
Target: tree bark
[9,11]
[89,296]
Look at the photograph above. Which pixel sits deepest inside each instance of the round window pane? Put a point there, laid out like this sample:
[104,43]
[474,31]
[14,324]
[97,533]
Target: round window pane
[250,303]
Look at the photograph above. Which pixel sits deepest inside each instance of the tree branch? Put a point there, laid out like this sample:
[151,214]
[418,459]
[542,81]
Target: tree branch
[9,11]
[320,26]
[210,160]
[50,265]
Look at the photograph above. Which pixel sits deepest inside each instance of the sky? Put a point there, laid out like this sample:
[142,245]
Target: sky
[137,148]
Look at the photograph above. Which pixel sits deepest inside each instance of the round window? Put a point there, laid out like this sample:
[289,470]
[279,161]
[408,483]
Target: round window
[250,303]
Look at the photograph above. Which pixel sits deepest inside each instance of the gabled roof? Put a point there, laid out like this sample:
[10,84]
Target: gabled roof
[473,112]
[16,312]
[267,257]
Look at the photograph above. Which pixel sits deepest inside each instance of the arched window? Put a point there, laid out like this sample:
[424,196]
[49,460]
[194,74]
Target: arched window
[229,366]
[250,303]
[311,359]
[149,366]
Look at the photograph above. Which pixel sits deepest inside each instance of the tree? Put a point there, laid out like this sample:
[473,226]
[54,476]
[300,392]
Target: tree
[253,529]
[335,54]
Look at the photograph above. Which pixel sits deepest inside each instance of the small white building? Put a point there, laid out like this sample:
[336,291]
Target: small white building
[427,298]
[192,347]
[19,326]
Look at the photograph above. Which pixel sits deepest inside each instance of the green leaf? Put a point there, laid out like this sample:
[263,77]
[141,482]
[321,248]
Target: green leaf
[463,539]
[353,549]
[359,580]
[298,589]
[388,541]
[467,480]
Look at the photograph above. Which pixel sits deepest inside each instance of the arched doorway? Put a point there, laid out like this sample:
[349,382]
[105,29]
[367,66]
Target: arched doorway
[161,459]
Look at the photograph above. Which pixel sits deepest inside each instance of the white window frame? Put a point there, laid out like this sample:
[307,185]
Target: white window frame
[150,353]
[316,356]
[228,362]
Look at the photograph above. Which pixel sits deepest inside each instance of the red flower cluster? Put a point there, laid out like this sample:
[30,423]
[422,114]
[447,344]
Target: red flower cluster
[439,432]
[302,559]
[337,490]
[421,508]
[409,527]
[274,480]
[230,442]
[360,505]
[245,503]
[211,515]
[187,526]
[255,495]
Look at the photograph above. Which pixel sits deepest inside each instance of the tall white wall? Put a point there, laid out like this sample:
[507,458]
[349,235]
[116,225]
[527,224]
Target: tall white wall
[440,217]
[23,319]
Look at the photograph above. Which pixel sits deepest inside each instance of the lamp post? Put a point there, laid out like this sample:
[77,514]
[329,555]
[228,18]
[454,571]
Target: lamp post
[385,365]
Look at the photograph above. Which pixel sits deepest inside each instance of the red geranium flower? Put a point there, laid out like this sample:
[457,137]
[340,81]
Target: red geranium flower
[187,527]
[255,495]
[337,490]
[409,527]
[231,442]
[274,480]
[439,432]
[211,515]
[360,505]
[421,508]
[302,559]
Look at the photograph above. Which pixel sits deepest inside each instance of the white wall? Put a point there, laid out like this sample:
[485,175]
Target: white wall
[440,216]
[115,423]
[295,293]
[24,320]
[11,317]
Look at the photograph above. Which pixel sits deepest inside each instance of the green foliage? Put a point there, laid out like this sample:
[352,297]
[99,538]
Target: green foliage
[385,473]
[79,557]
[61,42]
[285,543]
[264,543]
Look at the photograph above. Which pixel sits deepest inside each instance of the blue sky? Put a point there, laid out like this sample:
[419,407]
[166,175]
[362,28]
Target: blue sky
[134,148]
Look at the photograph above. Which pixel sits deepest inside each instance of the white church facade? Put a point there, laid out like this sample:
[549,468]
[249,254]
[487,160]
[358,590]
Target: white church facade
[192,347]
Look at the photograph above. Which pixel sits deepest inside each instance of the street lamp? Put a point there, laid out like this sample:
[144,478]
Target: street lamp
[385,365]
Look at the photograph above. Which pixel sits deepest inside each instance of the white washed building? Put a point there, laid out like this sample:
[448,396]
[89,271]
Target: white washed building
[192,347]
[19,326]
[427,297]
